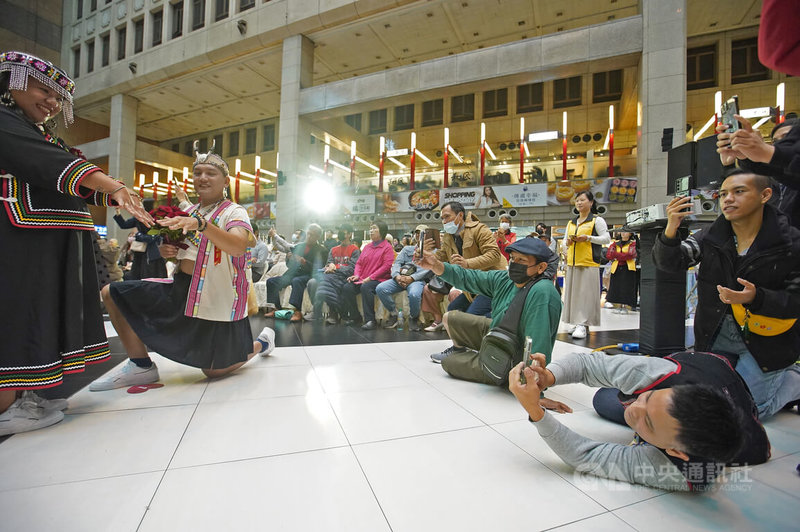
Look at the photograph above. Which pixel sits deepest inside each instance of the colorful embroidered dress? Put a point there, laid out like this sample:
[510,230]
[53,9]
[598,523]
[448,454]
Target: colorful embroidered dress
[50,319]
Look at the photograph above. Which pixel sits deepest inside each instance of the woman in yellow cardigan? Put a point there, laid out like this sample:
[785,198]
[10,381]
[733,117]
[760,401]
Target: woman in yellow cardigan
[584,239]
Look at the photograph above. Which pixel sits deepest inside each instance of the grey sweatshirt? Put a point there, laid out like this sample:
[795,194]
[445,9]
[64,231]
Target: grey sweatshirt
[638,464]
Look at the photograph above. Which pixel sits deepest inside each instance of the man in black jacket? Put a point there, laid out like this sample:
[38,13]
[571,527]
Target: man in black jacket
[780,160]
[748,286]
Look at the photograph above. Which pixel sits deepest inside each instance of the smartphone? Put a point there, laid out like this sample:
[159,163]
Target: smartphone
[433,234]
[526,358]
[729,108]
[682,186]
[421,243]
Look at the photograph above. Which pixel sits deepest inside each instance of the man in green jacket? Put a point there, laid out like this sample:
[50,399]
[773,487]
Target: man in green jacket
[540,315]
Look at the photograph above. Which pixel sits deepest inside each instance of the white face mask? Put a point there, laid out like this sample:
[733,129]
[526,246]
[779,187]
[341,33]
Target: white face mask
[450,228]
[505,226]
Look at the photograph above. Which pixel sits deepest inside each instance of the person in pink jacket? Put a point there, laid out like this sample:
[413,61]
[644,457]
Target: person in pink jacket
[373,267]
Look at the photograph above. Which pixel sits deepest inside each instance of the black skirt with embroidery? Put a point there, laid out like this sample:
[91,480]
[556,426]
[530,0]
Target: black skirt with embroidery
[155,311]
[50,318]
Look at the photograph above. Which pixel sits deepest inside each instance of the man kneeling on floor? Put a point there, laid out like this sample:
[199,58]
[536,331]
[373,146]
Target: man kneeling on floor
[692,414]
[539,318]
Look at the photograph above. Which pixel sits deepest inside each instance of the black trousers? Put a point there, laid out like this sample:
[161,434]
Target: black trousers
[348,306]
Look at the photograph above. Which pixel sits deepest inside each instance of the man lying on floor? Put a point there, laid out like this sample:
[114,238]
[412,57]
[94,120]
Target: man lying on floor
[691,413]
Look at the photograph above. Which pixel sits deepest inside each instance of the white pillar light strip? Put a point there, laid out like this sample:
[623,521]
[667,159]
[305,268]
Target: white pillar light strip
[455,153]
[490,152]
[424,157]
[717,102]
[705,127]
[522,128]
[339,165]
[779,100]
[608,138]
[320,170]
[761,122]
[365,163]
[398,163]
[527,151]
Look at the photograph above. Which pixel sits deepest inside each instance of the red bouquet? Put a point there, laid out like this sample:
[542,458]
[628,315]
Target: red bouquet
[173,237]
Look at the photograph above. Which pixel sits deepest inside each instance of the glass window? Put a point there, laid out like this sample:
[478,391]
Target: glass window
[250,140]
[495,103]
[105,49]
[157,21]
[188,148]
[198,14]
[404,117]
[433,112]
[745,66]
[90,56]
[218,143]
[92,5]
[701,67]
[606,86]
[176,147]
[220,9]
[354,121]
[530,98]
[567,92]
[268,142]
[76,62]
[138,35]
[121,38]
[246,4]
[377,121]
[79,11]
[233,143]
[462,108]
[202,146]
[177,19]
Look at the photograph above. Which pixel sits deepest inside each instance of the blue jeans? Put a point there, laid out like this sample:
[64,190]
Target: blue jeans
[771,390]
[480,305]
[387,288]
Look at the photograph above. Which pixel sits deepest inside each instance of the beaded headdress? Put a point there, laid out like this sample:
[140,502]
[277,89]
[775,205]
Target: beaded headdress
[21,65]
[209,158]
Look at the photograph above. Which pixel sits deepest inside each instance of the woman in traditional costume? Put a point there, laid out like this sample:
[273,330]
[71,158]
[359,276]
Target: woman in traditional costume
[198,318]
[50,319]
[623,284]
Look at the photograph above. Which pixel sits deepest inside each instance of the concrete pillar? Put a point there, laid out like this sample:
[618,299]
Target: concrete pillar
[294,133]
[662,91]
[122,148]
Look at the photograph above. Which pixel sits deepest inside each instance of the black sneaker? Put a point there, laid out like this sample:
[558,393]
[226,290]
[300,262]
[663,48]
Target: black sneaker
[391,322]
[438,357]
[414,325]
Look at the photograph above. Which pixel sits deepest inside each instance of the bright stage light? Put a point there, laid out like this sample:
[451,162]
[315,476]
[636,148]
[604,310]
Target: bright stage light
[320,196]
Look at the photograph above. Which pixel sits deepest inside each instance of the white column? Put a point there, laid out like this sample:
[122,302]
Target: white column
[662,91]
[122,147]
[294,133]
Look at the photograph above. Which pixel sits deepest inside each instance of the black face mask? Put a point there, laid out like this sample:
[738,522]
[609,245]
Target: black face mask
[518,273]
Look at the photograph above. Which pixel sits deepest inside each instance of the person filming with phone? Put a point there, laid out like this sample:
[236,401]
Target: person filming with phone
[748,285]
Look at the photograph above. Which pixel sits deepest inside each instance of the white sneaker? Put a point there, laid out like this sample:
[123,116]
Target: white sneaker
[24,415]
[128,375]
[571,329]
[268,337]
[579,332]
[47,404]
[608,305]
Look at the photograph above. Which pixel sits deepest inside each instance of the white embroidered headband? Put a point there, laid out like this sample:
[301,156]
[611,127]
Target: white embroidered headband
[20,65]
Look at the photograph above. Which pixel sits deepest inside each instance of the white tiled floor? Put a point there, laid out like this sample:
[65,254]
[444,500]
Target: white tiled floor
[369,437]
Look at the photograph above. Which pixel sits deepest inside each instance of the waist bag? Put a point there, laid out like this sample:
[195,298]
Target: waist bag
[501,349]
